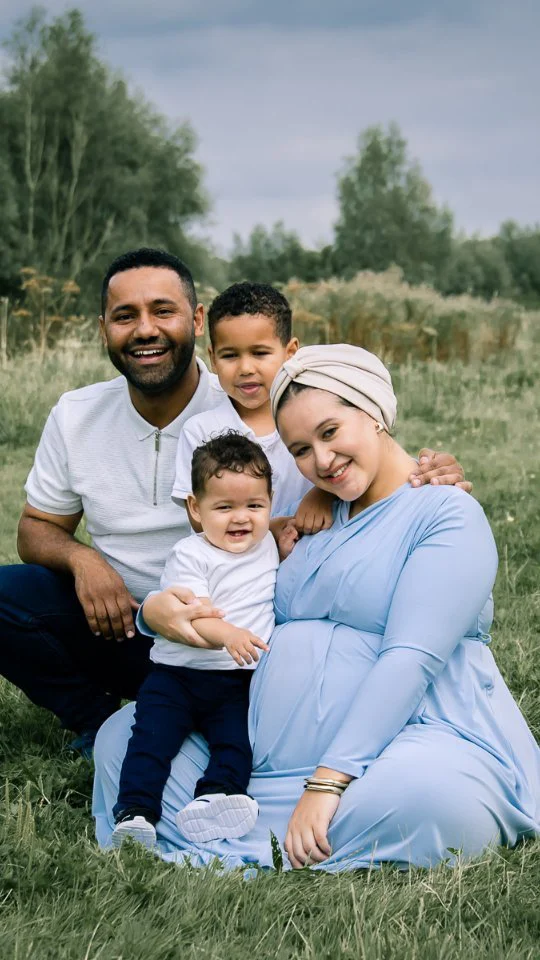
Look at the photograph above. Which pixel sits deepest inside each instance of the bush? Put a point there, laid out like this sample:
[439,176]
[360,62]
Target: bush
[383,313]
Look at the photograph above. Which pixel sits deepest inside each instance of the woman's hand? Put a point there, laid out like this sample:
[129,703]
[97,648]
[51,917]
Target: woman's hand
[170,613]
[307,841]
[439,468]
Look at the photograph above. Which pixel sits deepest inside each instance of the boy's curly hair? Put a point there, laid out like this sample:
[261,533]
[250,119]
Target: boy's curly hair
[252,298]
[228,451]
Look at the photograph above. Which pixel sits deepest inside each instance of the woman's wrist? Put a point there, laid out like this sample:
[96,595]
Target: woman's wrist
[326,780]
[325,773]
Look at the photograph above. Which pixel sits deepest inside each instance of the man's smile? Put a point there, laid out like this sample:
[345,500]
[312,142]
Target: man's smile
[149,354]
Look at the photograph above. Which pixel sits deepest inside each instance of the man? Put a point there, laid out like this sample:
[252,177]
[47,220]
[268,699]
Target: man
[67,633]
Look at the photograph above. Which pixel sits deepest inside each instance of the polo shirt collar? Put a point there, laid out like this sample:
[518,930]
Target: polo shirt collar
[143,429]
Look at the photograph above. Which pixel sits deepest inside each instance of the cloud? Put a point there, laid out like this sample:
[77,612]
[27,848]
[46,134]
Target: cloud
[130,17]
[277,108]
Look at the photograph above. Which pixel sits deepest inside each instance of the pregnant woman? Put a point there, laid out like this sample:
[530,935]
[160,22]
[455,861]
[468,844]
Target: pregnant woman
[382,730]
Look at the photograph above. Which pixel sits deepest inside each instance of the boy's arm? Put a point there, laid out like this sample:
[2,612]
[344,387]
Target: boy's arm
[206,628]
[187,443]
[241,644]
[315,511]
[284,532]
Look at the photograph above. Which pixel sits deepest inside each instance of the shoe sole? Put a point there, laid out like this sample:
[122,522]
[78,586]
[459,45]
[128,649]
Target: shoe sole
[142,834]
[222,819]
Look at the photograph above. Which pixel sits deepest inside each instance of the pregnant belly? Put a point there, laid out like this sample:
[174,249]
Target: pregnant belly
[302,691]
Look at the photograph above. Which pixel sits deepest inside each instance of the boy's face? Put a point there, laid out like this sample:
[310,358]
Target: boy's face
[246,355]
[234,511]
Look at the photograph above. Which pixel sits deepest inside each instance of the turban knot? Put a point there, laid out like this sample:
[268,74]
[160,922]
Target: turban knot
[350,372]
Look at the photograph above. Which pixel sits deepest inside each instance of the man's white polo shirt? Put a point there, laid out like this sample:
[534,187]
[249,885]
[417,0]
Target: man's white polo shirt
[97,454]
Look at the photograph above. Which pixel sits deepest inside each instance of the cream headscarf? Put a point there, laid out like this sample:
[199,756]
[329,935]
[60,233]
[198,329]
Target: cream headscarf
[350,372]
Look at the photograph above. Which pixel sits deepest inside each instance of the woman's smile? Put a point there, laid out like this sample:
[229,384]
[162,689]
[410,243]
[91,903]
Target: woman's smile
[338,474]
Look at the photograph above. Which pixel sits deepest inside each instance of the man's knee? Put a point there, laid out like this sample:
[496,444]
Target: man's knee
[28,590]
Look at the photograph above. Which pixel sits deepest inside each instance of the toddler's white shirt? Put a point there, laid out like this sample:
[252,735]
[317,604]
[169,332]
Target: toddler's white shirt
[97,454]
[288,483]
[241,584]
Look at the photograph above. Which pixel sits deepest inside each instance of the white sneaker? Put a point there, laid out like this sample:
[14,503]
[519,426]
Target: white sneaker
[216,816]
[138,828]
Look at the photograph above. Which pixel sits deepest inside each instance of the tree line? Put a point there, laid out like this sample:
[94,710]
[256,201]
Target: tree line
[88,169]
[386,216]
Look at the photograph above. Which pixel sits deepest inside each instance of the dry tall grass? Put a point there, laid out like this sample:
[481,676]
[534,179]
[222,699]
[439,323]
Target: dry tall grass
[398,321]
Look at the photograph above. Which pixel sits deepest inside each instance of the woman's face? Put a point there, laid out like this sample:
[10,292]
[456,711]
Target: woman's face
[336,447]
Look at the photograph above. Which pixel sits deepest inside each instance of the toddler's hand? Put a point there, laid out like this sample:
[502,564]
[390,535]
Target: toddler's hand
[242,646]
[287,537]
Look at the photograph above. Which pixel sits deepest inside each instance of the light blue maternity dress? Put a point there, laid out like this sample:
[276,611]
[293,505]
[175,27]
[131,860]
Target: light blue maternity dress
[379,667]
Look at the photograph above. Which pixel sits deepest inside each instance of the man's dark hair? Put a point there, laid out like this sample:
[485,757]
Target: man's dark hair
[229,451]
[149,257]
[252,298]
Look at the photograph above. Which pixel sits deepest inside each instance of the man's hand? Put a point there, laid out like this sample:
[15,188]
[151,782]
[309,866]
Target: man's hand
[108,606]
[242,645]
[438,469]
[171,613]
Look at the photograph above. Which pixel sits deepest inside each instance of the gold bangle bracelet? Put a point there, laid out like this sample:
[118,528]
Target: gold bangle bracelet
[313,788]
[322,786]
[324,782]
[342,783]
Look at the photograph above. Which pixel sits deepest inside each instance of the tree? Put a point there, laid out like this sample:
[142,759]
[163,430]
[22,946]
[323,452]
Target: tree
[92,169]
[275,256]
[477,267]
[387,213]
[520,247]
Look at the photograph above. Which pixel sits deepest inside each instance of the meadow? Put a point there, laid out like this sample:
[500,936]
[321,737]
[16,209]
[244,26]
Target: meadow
[60,897]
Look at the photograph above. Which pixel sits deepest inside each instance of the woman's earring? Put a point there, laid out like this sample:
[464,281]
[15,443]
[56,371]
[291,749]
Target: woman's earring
[379,427]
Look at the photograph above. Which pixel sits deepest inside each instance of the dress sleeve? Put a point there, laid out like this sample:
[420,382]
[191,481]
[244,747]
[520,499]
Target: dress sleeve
[48,487]
[140,622]
[442,588]
[185,567]
[188,441]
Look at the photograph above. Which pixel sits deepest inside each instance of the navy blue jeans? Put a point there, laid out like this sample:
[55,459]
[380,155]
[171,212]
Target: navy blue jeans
[48,650]
[172,703]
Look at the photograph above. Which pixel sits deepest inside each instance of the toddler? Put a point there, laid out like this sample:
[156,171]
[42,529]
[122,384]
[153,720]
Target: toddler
[233,563]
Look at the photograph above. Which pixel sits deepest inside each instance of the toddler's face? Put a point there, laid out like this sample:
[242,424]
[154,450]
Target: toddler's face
[234,511]
[246,355]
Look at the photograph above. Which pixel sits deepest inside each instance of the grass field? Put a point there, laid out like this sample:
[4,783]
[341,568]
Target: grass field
[61,898]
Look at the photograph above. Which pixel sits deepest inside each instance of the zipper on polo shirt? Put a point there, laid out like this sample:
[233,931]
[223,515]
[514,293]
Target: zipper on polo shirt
[157,438]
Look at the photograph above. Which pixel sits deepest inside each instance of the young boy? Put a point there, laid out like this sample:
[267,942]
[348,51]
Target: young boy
[249,325]
[233,562]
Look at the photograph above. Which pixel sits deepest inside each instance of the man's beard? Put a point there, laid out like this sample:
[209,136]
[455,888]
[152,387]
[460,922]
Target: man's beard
[153,380]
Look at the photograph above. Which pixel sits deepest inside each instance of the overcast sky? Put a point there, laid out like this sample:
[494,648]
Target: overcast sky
[279,91]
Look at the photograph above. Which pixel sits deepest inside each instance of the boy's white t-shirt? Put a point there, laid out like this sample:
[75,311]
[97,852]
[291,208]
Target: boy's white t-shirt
[288,483]
[241,584]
